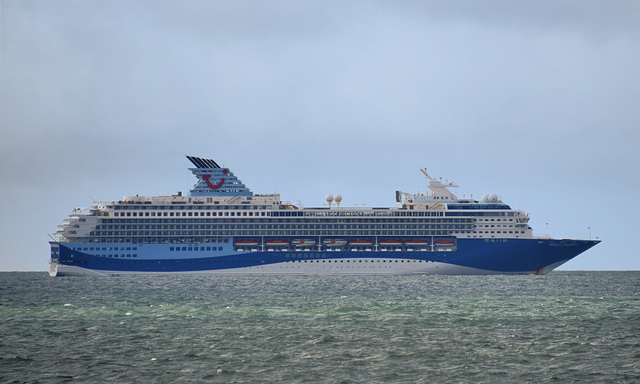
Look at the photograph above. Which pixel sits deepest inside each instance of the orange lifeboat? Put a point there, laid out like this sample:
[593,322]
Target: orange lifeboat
[246,243]
[277,242]
[390,242]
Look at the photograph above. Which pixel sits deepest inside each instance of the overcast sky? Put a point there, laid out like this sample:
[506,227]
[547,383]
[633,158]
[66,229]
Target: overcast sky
[538,102]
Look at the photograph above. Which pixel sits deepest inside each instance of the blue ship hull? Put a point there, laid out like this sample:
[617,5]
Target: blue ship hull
[468,256]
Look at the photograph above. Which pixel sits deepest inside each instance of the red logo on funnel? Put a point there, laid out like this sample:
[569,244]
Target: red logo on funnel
[214,186]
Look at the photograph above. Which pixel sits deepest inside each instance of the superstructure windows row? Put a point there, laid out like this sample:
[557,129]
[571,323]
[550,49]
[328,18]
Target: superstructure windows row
[311,224]
[290,220]
[186,214]
[191,211]
[174,230]
[182,223]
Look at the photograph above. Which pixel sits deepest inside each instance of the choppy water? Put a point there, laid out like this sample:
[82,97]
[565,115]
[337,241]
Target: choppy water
[563,327]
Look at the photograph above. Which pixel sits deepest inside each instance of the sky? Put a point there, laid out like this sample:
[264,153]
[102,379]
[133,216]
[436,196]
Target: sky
[537,102]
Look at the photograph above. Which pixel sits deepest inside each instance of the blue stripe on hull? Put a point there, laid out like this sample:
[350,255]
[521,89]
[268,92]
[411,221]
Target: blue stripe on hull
[490,255]
[517,255]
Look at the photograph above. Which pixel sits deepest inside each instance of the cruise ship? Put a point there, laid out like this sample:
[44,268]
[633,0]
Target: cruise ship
[223,228]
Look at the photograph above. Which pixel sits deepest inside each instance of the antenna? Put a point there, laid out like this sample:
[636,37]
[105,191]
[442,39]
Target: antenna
[424,170]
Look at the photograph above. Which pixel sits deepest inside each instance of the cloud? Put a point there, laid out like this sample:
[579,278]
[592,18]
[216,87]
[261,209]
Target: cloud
[588,18]
[111,95]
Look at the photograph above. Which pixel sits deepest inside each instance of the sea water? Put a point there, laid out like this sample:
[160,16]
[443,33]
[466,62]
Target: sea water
[562,327]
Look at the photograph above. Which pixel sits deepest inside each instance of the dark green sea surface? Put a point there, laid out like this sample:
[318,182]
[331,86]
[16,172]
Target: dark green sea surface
[562,327]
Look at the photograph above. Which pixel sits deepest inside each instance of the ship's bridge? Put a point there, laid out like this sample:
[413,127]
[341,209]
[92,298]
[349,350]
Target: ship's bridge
[436,199]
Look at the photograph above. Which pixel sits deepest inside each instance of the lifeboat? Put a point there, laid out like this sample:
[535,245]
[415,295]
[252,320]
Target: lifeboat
[246,243]
[334,242]
[277,242]
[304,242]
[444,242]
[390,242]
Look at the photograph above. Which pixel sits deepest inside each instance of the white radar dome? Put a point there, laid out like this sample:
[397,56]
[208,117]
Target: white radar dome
[493,197]
[338,198]
[329,199]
